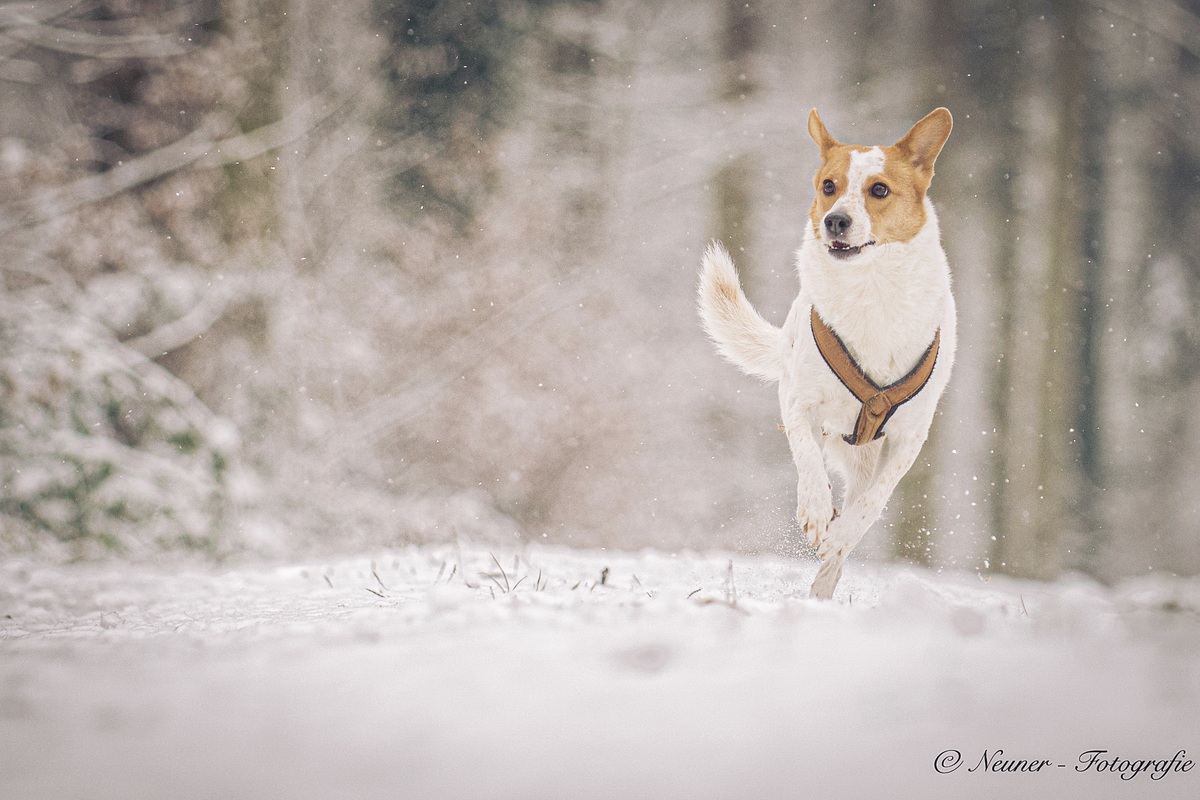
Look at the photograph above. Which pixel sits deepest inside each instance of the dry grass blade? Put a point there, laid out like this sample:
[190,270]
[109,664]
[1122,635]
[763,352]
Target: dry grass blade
[503,574]
[494,580]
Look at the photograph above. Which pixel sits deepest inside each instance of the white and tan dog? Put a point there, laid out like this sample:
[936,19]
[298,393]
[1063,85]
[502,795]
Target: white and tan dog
[868,346]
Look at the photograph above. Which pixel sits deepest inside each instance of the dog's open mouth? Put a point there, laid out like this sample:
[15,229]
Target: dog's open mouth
[840,249]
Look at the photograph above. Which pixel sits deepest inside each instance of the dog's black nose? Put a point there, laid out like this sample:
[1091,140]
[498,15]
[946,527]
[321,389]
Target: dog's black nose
[837,223]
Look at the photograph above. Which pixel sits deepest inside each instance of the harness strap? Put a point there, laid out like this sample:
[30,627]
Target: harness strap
[878,404]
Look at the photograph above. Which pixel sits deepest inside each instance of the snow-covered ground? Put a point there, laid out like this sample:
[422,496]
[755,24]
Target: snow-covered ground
[553,673]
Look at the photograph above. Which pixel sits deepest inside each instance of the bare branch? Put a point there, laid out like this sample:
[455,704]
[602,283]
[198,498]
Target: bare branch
[179,332]
[82,43]
[100,44]
[135,172]
[1171,21]
[16,14]
[200,148]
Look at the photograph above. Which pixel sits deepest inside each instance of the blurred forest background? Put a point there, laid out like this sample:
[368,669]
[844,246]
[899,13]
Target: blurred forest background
[287,275]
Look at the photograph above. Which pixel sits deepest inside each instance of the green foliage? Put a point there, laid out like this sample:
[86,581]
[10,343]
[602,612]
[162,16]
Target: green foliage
[453,80]
[99,447]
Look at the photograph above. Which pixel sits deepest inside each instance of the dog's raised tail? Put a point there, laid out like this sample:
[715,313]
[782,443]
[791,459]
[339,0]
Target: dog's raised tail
[740,333]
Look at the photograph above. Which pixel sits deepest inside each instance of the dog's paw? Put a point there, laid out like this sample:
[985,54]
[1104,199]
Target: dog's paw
[837,542]
[828,548]
[814,533]
[815,513]
[815,526]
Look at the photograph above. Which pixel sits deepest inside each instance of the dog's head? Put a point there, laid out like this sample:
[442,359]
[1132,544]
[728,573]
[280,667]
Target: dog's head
[871,196]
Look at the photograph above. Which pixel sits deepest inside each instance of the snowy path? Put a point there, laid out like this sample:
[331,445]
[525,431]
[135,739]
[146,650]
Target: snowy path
[667,680]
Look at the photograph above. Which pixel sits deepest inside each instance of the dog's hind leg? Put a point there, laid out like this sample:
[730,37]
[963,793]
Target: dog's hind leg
[862,509]
[857,466]
[827,577]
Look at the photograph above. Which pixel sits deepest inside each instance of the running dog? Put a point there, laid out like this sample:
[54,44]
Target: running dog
[868,345]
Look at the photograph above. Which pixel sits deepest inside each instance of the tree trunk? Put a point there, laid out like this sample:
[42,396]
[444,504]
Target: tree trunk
[1053,481]
[733,183]
[1002,75]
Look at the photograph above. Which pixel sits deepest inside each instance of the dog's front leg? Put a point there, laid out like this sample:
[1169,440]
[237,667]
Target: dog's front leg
[862,511]
[814,494]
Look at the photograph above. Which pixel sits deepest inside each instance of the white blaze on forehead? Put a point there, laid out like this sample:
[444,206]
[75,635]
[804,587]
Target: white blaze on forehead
[863,164]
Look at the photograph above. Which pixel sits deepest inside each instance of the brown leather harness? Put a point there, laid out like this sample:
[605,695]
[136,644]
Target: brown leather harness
[878,404]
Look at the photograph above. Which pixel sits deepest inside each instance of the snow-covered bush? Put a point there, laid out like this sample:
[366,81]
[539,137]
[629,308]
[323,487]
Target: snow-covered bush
[99,447]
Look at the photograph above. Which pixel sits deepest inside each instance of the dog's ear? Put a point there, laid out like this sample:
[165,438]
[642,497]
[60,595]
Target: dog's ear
[819,133]
[924,141]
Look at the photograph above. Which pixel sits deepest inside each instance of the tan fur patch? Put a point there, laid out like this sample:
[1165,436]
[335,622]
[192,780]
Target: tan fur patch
[729,291]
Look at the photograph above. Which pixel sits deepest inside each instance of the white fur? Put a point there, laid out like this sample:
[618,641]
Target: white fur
[886,304]
[741,335]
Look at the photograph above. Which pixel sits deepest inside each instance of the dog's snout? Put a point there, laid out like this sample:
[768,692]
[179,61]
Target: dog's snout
[837,223]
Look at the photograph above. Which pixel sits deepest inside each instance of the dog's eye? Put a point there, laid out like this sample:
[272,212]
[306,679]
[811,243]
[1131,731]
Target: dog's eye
[828,187]
[880,190]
